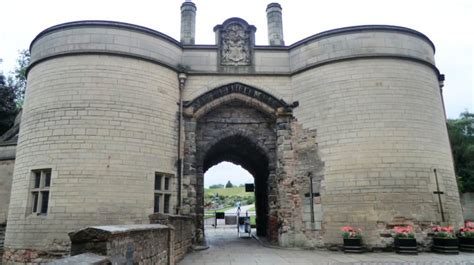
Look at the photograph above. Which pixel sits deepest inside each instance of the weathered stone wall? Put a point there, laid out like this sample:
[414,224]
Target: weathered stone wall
[298,162]
[381,132]
[128,244]
[6,176]
[182,232]
[467,202]
[236,132]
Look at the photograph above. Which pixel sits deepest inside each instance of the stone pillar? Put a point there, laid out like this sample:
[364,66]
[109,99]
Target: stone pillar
[275,25]
[188,23]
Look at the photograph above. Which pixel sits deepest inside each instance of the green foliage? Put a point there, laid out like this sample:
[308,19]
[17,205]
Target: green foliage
[229,184]
[228,197]
[8,109]
[468,235]
[461,135]
[18,81]
[402,236]
[216,186]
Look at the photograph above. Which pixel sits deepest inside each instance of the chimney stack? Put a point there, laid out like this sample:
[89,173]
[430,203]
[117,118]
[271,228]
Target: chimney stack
[188,23]
[275,25]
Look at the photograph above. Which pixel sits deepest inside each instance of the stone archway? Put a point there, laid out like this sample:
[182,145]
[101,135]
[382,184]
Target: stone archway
[253,129]
[243,151]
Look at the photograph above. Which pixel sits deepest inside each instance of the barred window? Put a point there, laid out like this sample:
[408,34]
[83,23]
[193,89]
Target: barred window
[162,200]
[41,181]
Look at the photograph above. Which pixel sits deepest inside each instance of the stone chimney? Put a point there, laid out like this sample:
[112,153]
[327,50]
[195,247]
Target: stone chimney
[188,23]
[275,25]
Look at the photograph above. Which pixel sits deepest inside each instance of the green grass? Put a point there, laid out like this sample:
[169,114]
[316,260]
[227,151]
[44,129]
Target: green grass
[235,191]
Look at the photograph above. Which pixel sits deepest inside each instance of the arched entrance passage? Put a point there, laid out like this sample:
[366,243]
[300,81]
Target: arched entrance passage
[241,150]
[239,124]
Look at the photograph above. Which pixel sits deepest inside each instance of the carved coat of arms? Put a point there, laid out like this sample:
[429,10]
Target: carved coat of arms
[235,46]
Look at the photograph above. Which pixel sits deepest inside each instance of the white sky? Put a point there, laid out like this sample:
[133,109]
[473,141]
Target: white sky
[448,23]
[225,171]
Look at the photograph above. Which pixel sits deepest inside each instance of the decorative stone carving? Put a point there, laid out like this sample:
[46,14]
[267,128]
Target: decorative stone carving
[235,38]
[235,46]
[243,89]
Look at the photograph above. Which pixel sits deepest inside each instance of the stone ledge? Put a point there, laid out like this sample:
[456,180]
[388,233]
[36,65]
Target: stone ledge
[105,232]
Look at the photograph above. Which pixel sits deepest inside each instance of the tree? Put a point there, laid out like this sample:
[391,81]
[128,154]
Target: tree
[8,108]
[18,82]
[216,186]
[229,185]
[461,135]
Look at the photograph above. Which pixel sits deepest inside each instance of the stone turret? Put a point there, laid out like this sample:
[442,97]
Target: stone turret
[275,25]
[188,23]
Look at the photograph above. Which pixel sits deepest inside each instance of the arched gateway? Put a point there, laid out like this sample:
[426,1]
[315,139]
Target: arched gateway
[120,121]
[240,124]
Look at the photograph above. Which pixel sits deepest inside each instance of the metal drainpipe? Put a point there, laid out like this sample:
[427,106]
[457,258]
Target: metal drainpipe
[182,79]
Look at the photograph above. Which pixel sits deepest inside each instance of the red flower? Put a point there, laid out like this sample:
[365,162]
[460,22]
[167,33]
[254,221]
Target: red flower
[443,231]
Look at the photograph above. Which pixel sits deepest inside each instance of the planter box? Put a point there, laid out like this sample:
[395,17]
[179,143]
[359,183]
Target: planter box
[406,246]
[446,245]
[466,244]
[352,245]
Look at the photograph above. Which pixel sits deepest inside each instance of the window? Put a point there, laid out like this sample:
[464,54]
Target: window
[41,180]
[162,201]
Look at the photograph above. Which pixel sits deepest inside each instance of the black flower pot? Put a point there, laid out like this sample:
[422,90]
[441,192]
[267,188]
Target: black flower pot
[466,244]
[352,245]
[406,246]
[446,245]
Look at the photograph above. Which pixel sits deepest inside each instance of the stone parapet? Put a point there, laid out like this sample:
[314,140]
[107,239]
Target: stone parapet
[183,232]
[138,244]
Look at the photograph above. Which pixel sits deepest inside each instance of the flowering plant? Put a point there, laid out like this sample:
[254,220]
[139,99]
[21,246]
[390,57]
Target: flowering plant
[351,232]
[444,232]
[403,232]
[467,231]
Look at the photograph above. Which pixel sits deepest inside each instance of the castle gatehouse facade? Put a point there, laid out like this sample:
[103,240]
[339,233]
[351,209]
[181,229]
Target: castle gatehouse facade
[345,127]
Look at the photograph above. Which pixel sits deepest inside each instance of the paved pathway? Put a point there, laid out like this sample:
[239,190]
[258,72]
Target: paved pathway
[243,209]
[227,249]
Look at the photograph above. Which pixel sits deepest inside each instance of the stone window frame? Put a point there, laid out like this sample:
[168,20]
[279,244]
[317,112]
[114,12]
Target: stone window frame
[39,191]
[163,190]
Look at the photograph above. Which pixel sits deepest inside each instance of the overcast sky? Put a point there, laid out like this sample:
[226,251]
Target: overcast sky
[447,23]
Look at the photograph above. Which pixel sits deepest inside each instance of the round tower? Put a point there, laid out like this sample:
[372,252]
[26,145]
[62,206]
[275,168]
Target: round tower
[99,124]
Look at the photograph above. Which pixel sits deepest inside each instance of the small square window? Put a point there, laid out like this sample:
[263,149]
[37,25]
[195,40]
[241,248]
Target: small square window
[162,199]
[40,191]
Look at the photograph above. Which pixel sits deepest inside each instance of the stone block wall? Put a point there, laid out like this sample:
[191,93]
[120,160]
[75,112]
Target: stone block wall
[6,176]
[381,132]
[103,130]
[128,244]
[182,232]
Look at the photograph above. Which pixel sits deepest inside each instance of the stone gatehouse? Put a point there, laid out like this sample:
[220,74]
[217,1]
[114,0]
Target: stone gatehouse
[121,121]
